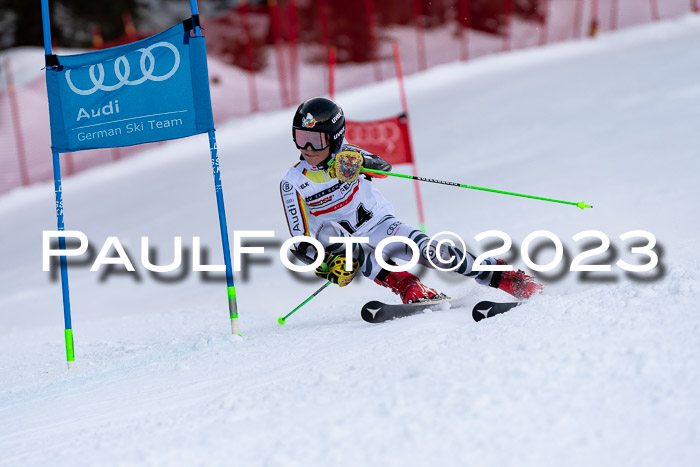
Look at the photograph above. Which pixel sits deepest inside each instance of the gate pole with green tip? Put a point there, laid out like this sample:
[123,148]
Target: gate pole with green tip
[58,189]
[213,149]
[461,185]
[282,319]
[231,288]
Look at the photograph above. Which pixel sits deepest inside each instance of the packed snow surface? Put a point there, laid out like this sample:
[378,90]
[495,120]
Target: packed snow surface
[602,369]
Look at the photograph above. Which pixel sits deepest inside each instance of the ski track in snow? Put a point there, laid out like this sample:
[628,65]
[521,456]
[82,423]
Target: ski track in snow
[597,372]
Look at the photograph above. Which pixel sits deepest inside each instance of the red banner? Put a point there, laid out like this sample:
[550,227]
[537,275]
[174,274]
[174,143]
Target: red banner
[386,138]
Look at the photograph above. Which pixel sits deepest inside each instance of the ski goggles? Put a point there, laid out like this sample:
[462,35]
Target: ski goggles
[304,138]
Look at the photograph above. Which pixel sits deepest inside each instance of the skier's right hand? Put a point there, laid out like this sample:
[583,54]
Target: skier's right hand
[333,269]
[347,166]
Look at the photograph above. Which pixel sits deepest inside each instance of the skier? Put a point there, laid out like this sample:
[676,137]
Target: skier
[324,196]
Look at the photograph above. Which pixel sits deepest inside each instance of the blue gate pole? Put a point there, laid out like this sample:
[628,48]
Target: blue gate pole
[195,11]
[46,24]
[232,304]
[70,354]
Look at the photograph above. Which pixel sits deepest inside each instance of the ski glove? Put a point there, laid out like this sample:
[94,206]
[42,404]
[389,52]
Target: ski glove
[333,269]
[347,166]
[375,162]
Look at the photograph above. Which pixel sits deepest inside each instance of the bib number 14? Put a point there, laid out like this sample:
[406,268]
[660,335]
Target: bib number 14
[363,215]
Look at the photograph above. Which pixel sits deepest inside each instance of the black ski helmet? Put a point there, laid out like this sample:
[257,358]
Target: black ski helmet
[321,115]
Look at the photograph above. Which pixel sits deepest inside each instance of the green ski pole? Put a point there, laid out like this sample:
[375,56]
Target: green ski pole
[442,182]
[282,319]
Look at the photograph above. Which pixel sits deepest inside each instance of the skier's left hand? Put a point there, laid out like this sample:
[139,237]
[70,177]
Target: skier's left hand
[333,269]
[347,166]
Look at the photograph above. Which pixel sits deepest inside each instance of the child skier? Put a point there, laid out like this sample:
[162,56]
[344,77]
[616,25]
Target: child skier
[324,196]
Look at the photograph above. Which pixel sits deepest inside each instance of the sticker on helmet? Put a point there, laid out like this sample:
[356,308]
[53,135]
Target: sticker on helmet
[309,121]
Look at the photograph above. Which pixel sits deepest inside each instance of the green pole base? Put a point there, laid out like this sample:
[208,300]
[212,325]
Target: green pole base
[70,352]
[281,320]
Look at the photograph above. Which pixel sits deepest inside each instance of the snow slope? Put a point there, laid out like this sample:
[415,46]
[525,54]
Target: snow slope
[601,370]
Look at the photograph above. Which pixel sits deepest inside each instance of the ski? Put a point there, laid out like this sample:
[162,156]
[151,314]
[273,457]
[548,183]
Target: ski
[486,309]
[378,312]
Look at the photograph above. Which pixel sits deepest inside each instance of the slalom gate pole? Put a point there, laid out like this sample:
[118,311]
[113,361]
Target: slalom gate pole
[331,72]
[195,12]
[231,288]
[70,353]
[68,334]
[404,108]
[282,319]
[232,304]
[442,182]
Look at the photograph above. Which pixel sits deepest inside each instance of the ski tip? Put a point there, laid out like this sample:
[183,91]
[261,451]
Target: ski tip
[371,310]
[487,309]
[280,320]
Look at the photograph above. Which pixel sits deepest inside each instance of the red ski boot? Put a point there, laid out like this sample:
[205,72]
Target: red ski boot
[516,283]
[408,287]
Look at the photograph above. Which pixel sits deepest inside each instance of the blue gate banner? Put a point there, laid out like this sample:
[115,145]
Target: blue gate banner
[151,90]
